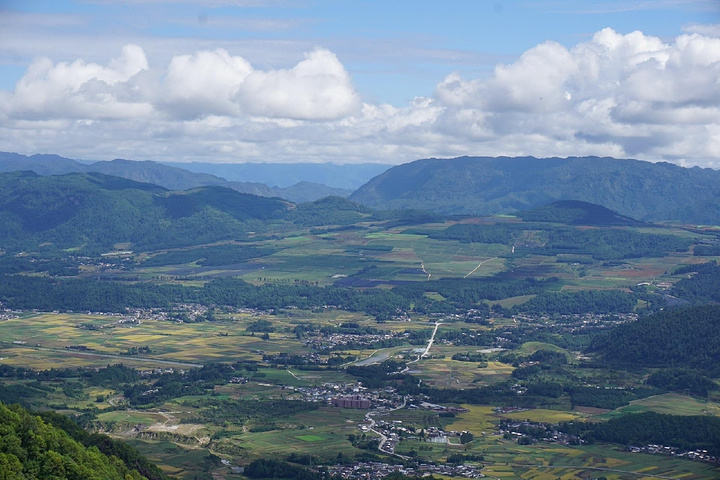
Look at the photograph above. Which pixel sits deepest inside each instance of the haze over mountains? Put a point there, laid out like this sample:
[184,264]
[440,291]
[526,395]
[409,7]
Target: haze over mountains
[308,182]
[466,185]
[346,176]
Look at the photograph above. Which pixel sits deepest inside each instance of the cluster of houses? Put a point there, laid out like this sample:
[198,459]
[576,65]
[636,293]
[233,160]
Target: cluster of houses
[527,432]
[395,430]
[437,408]
[698,455]
[158,371]
[327,391]
[351,401]
[340,340]
[349,395]
[377,470]
[7,314]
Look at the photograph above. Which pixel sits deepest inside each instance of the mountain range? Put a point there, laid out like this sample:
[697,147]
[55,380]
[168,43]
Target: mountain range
[493,185]
[642,190]
[170,177]
[96,211]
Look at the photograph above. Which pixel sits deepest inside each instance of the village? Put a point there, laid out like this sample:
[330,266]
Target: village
[697,455]
[378,470]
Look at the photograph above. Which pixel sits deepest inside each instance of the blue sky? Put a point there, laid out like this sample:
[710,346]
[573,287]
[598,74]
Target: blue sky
[359,81]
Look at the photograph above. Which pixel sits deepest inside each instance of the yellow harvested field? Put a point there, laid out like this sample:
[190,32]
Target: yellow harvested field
[542,415]
[478,419]
[497,368]
[501,472]
[141,338]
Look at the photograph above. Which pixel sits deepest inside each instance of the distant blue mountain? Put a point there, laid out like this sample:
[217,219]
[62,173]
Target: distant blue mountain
[177,178]
[348,176]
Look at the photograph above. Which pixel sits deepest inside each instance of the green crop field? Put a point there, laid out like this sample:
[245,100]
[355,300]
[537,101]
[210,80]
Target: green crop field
[310,438]
[668,403]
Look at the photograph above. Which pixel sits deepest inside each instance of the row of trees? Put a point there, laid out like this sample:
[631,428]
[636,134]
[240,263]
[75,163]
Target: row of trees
[32,292]
[683,432]
[687,338]
[601,243]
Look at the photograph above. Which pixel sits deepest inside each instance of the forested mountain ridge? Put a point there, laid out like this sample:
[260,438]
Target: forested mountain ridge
[172,177]
[488,185]
[97,211]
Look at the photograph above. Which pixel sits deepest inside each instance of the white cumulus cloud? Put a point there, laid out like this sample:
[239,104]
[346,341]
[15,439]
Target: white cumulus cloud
[81,90]
[317,88]
[204,83]
[625,95]
[631,93]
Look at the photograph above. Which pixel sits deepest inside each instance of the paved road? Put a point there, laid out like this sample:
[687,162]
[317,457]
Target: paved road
[427,349]
[432,339]
[383,438]
[369,415]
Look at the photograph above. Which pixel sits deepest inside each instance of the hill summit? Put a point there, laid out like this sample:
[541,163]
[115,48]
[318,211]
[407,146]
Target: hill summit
[575,212]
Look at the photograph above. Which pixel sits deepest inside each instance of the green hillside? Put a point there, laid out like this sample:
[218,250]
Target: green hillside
[97,211]
[33,449]
[575,212]
[687,338]
[486,185]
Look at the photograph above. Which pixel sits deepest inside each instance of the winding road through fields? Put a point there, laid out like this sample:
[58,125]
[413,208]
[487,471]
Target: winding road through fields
[383,437]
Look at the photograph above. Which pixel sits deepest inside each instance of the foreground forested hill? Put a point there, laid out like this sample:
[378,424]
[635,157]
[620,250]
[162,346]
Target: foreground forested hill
[487,185]
[33,449]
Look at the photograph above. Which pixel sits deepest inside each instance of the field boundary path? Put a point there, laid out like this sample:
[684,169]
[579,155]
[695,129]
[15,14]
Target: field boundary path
[479,265]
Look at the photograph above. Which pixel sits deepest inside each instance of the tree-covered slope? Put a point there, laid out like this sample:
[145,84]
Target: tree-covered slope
[96,211]
[172,178]
[575,212]
[687,337]
[308,192]
[702,284]
[486,185]
[328,210]
[33,449]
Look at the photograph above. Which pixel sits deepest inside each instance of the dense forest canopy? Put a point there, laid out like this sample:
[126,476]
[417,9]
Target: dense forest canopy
[486,185]
[31,449]
[688,337]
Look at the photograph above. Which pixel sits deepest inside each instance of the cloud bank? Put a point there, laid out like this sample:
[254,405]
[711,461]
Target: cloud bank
[628,95]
